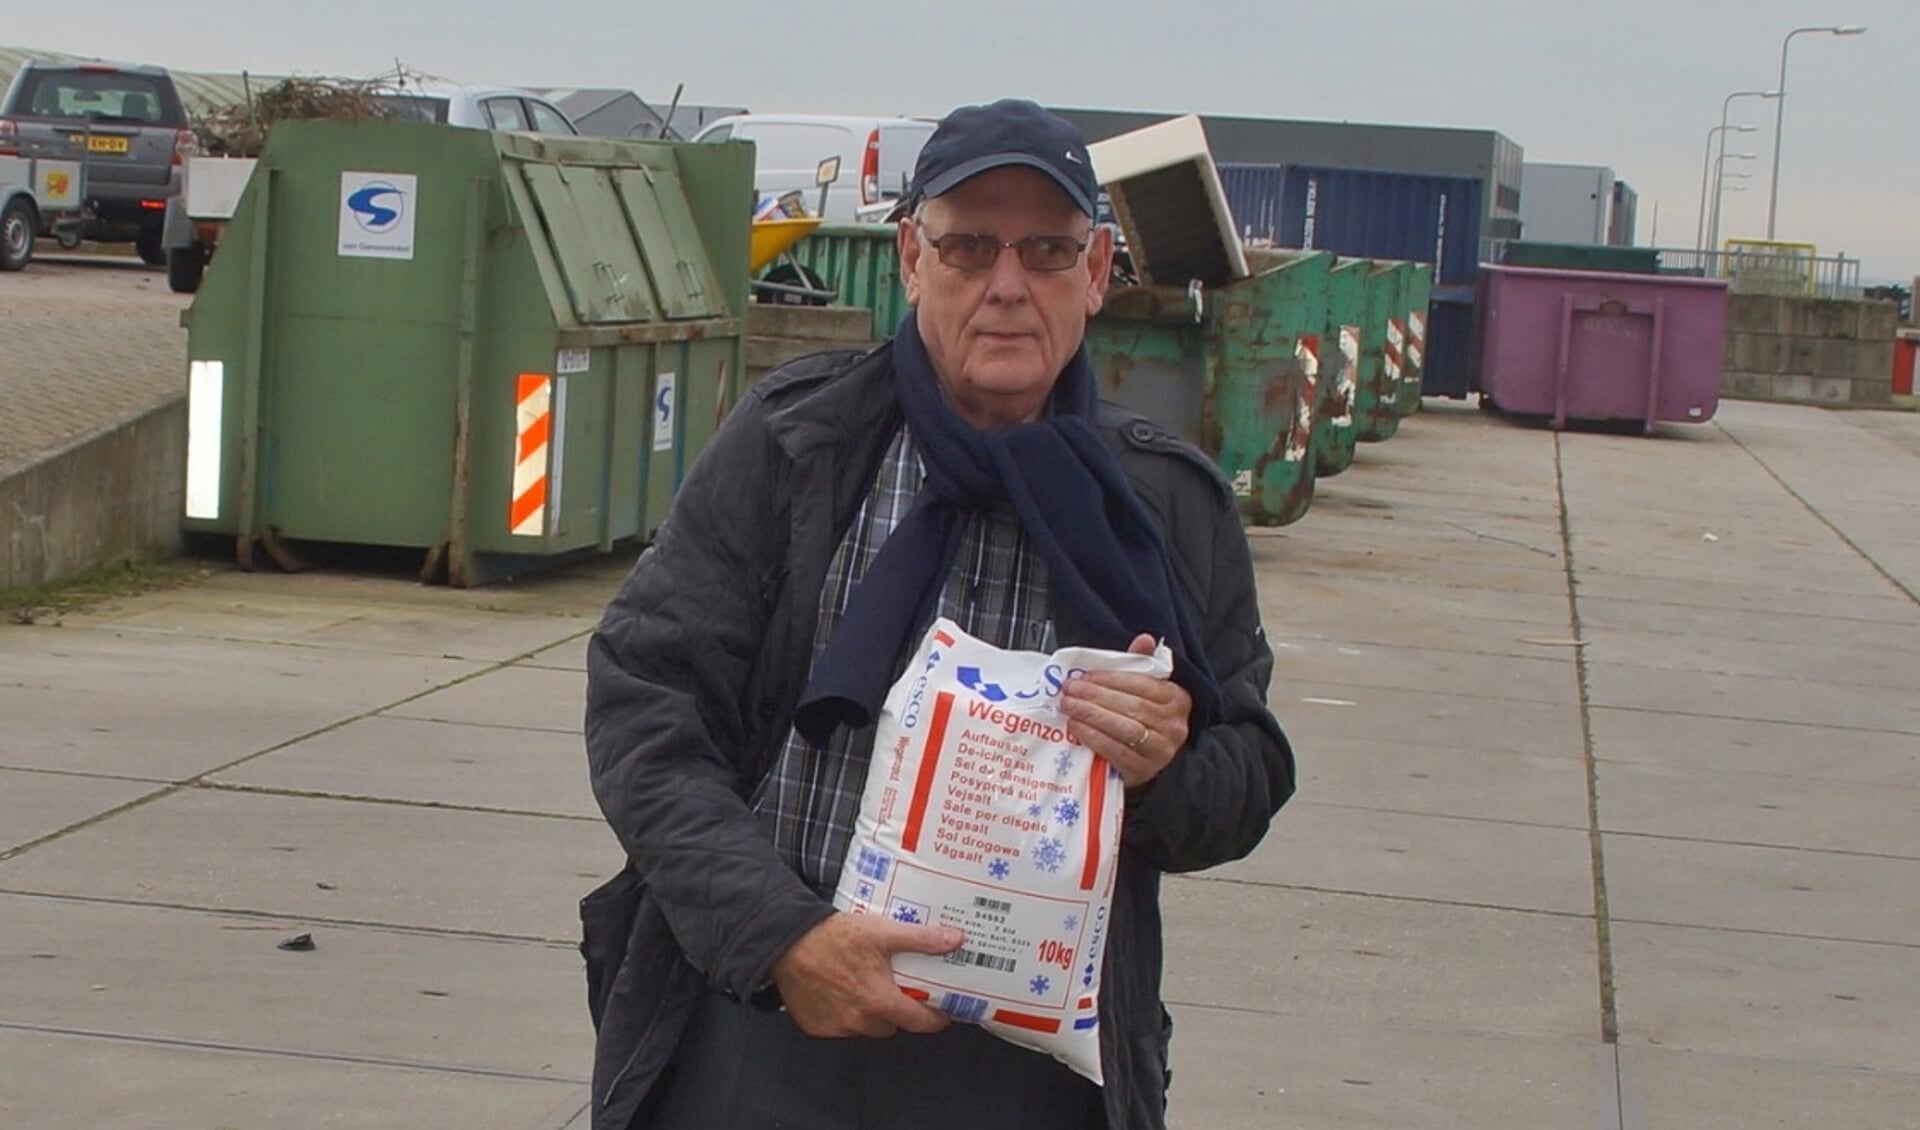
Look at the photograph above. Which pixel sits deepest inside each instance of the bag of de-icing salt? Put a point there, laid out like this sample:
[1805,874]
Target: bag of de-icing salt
[980,814]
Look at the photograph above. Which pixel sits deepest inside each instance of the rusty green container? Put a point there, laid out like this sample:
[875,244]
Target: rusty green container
[1335,430]
[861,262]
[1234,370]
[1377,401]
[1413,329]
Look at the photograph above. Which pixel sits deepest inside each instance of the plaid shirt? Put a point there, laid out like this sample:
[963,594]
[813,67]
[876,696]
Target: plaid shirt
[996,591]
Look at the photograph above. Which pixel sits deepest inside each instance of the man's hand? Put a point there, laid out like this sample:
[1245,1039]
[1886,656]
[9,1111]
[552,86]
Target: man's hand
[1138,723]
[837,980]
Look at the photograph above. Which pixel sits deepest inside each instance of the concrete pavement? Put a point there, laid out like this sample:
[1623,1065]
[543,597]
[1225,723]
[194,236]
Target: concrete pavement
[1609,752]
[89,342]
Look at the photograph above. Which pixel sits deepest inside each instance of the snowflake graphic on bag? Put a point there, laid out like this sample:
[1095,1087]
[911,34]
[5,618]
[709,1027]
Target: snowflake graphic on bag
[1049,854]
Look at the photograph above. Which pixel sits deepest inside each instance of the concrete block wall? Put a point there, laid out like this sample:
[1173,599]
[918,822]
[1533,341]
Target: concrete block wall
[777,334]
[109,498]
[1818,350]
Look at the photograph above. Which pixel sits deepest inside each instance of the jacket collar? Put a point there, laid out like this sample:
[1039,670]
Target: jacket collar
[856,403]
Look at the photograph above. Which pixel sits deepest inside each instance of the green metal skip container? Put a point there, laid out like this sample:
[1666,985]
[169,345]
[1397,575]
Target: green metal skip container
[861,262]
[1407,337]
[1234,370]
[496,348]
[1335,430]
[1377,399]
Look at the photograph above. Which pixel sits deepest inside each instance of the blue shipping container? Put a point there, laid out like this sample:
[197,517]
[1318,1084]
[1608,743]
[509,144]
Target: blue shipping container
[1427,219]
[1386,216]
[1253,196]
[1449,363]
[1376,215]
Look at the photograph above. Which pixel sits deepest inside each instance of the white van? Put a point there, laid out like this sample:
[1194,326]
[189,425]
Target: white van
[876,155]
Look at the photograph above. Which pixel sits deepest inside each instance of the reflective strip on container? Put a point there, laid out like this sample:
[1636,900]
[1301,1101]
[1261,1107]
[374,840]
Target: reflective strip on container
[1416,339]
[533,419]
[1391,357]
[206,395]
[1344,384]
[1307,352]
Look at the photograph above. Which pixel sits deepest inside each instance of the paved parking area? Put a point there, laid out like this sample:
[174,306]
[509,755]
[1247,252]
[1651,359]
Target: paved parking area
[85,343]
[1610,749]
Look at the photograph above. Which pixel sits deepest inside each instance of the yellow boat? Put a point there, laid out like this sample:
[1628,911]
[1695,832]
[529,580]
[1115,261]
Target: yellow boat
[771,237]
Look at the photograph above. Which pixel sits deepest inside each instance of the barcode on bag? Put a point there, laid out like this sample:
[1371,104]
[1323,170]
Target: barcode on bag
[1001,906]
[983,960]
[962,1007]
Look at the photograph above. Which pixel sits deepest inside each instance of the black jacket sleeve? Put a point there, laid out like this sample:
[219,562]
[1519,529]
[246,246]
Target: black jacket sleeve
[668,672]
[1213,803]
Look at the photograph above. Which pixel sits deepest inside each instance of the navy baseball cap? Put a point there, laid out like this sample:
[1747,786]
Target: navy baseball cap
[1012,131]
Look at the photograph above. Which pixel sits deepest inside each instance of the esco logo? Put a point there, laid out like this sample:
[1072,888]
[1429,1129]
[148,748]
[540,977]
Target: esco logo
[1051,680]
[969,677]
[911,717]
[377,207]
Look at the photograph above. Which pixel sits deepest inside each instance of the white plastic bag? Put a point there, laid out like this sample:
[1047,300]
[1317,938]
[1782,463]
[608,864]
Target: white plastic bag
[980,814]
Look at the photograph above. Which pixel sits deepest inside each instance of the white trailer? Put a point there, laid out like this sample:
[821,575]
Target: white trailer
[210,191]
[38,197]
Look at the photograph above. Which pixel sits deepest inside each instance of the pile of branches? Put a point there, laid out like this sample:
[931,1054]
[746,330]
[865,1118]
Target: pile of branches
[240,130]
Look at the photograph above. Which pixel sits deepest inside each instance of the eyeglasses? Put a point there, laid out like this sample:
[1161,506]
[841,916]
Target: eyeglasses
[971,251]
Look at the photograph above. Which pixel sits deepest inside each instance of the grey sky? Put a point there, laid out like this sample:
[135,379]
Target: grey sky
[1634,84]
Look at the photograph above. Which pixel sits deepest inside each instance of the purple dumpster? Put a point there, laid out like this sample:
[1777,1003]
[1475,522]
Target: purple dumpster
[1594,345]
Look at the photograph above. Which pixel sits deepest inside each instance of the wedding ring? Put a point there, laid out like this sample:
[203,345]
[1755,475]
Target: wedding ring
[1145,733]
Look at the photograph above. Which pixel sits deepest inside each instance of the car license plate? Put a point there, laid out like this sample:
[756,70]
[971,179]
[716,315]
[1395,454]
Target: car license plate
[100,143]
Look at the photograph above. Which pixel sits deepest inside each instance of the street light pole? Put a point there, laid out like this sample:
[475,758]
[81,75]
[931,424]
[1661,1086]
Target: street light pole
[1706,166]
[1719,183]
[1780,110]
[1726,104]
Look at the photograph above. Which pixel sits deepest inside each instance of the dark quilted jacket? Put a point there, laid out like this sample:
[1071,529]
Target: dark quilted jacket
[692,679]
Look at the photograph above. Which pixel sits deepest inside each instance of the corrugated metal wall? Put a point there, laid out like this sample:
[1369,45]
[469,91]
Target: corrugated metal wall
[13,58]
[1355,212]
[1253,195]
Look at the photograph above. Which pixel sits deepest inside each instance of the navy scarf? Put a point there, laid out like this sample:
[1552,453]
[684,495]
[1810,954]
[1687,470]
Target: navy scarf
[1104,556]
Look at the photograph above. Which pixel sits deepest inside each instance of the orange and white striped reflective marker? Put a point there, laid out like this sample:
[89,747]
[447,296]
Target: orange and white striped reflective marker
[1416,342]
[533,423]
[1307,352]
[1344,382]
[1396,339]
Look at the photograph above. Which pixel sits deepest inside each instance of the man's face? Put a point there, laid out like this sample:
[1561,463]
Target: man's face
[999,336]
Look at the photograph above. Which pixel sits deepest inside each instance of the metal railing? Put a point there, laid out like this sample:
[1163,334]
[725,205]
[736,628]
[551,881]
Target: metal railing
[1787,273]
[1767,269]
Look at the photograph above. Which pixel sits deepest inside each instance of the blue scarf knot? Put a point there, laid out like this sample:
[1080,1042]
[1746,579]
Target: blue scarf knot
[1105,557]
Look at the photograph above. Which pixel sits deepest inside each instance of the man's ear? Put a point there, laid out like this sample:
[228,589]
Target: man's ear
[908,241]
[1099,267]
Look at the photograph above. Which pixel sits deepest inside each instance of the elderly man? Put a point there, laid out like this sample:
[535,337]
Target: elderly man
[964,469]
